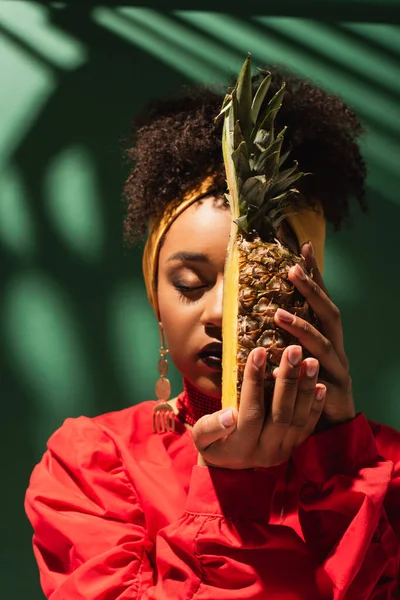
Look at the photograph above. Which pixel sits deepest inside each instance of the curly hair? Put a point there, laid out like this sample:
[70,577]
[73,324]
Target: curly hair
[176,141]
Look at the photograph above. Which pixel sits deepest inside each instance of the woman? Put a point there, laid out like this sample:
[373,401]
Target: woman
[300,500]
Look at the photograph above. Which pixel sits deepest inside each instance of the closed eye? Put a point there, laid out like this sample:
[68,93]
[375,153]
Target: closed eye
[189,293]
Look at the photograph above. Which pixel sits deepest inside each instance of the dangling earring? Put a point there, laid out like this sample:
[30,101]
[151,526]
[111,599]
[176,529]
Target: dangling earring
[163,413]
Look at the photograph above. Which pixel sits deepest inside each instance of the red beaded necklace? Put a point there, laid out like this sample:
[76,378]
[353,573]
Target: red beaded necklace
[193,404]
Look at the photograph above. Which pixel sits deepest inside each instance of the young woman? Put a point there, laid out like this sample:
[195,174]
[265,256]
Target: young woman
[300,499]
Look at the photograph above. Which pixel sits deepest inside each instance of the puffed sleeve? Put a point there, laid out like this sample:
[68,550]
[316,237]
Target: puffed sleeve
[347,489]
[91,541]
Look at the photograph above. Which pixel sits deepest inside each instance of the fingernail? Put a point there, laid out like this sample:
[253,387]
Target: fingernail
[299,272]
[285,316]
[259,358]
[320,394]
[311,248]
[294,355]
[226,418]
[311,369]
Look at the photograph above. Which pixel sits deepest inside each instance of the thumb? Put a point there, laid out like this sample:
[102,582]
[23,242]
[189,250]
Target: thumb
[212,428]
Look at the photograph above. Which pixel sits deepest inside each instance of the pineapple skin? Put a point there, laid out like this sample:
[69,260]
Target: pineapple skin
[263,288]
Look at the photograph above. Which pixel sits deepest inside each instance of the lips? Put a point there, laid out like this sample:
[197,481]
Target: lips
[211,355]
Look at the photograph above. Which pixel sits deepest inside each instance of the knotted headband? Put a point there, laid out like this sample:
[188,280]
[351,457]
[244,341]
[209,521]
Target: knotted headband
[308,224]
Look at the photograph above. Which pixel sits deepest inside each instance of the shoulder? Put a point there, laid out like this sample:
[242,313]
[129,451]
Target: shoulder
[106,431]
[387,441]
[135,421]
[83,446]
[82,471]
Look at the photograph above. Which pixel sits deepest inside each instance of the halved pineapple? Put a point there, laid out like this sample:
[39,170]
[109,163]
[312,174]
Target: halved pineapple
[261,195]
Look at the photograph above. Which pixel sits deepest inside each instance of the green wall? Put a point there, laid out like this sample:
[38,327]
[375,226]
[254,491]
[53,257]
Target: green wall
[77,333]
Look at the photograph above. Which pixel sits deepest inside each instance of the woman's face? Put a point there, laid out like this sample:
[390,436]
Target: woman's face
[190,285]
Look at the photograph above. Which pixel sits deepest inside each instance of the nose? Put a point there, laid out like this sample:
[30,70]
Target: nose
[212,313]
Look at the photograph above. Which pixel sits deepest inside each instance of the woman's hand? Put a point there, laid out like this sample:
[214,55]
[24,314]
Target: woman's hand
[327,347]
[260,436]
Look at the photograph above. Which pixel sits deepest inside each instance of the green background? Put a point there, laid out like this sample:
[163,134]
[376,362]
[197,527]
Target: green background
[76,332]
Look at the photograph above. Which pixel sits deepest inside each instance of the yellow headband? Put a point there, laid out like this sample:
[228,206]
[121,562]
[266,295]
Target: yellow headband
[308,224]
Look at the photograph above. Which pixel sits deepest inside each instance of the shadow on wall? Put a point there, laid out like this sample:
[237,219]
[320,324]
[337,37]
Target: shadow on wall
[74,315]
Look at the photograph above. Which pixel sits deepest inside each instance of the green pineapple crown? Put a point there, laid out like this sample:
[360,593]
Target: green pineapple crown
[260,189]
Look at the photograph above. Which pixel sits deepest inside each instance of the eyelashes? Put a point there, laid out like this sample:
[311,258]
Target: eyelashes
[189,293]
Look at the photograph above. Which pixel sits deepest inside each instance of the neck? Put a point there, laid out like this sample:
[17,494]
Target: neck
[193,404]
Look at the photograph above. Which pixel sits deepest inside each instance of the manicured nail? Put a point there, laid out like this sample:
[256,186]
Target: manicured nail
[311,248]
[226,418]
[285,316]
[320,394]
[259,358]
[294,355]
[300,273]
[311,369]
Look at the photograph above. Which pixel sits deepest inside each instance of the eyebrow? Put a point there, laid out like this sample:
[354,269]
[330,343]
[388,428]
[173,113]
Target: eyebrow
[189,256]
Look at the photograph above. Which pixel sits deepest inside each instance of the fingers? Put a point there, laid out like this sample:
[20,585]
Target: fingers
[295,410]
[307,252]
[252,407]
[246,439]
[327,312]
[303,419]
[315,292]
[308,406]
[305,393]
[317,344]
[316,410]
[211,428]
[286,384]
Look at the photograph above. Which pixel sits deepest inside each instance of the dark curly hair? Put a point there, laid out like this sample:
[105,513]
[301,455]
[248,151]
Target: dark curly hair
[176,142]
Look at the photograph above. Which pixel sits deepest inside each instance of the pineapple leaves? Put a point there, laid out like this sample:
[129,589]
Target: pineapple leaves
[242,223]
[271,167]
[268,161]
[226,105]
[259,98]
[260,192]
[231,118]
[262,139]
[283,158]
[266,121]
[244,98]
[253,191]
[285,183]
[237,135]
[276,101]
[241,161]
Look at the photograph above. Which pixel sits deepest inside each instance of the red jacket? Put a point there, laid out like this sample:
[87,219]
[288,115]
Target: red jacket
[120,512]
